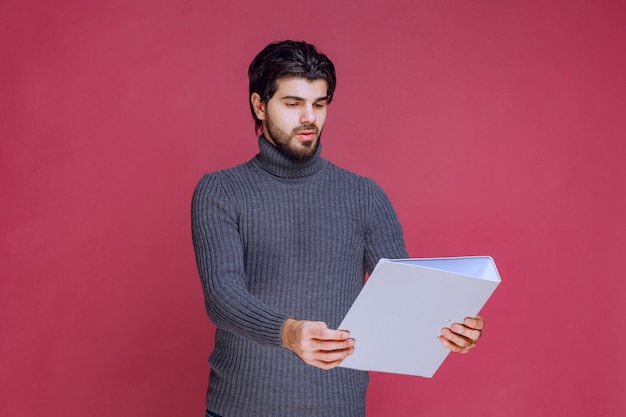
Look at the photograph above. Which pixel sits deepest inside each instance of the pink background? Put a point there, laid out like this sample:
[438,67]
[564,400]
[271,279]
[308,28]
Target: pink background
[496,127]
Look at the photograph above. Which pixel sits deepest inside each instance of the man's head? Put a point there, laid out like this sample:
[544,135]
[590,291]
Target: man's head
[305,82]
[288,59]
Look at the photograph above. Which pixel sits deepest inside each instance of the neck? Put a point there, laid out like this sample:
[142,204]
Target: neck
[277,163]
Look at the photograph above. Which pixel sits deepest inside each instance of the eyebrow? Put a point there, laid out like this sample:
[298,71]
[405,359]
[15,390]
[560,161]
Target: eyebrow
[302,99]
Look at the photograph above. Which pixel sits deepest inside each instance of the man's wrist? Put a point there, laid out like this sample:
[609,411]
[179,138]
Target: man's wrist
[285,333]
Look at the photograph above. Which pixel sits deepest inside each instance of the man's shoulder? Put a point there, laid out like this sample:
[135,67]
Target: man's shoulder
[233,172]
[351,176]
[223,179]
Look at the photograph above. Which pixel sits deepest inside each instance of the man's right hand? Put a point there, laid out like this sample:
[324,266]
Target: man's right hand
[315,343]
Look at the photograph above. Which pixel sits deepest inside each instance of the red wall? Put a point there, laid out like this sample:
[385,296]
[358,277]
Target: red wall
[497,128]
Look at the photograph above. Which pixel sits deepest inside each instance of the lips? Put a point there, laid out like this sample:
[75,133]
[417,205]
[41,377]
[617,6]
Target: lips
[307,135]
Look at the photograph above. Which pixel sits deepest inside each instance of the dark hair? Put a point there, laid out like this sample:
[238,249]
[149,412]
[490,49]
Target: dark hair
[287,59]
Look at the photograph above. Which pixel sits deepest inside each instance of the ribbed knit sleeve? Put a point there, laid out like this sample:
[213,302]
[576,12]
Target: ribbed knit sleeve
[220,260]
[383,232]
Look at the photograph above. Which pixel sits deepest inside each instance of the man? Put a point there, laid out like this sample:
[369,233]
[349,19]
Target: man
[283,243]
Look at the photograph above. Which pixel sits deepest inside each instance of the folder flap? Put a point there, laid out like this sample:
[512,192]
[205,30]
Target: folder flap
[473,266]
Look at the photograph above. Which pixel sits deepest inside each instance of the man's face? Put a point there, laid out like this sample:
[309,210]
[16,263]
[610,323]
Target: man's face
[294,117]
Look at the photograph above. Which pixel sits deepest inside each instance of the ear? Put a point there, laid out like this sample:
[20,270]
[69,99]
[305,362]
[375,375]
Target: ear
[258,106]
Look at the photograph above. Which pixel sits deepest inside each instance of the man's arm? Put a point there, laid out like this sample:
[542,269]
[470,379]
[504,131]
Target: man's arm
[220,259]
[383,232]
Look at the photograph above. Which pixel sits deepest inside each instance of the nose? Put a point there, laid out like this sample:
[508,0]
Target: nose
[308,115]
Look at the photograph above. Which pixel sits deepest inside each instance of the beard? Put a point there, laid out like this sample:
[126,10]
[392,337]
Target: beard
[289,145]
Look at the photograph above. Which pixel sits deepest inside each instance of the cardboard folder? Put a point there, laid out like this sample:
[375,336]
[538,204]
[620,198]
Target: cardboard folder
[405,303]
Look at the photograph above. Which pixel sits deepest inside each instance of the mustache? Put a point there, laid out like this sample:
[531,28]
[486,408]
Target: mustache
[306,127]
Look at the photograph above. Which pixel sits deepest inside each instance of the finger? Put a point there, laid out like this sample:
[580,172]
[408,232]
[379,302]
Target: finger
[452,346]
[319,330]
[334,355]
[327,334]
[329,360]
[474,322]
[455,341]
[332,345]
[467,332]
[325,359]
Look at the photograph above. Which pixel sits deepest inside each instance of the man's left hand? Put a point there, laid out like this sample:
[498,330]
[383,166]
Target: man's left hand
[460,338]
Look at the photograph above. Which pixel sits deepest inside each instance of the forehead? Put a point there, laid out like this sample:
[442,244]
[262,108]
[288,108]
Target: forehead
[301,87]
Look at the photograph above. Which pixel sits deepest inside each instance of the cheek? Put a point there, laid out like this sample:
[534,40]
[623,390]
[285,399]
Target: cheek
[286,120]
[321,119]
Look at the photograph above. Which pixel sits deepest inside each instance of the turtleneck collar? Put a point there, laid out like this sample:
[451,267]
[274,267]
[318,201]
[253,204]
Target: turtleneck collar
[272,160]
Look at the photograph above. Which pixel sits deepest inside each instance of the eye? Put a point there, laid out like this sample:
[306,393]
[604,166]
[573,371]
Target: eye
[291,103]
[320,104]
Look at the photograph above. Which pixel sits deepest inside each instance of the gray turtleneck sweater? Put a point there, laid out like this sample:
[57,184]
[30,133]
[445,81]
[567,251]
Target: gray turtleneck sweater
[277,239]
